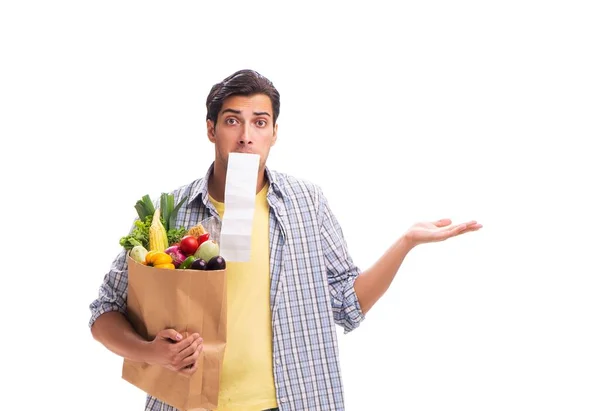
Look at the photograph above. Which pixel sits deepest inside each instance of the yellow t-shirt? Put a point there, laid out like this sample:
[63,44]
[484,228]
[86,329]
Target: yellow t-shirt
[247,382]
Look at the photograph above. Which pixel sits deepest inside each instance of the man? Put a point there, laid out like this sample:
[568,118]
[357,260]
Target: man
[284,303]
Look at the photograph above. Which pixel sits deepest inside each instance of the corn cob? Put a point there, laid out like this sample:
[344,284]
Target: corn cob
[157,233]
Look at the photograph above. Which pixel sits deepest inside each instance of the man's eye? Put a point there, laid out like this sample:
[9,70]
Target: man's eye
[261,123]
[231,121]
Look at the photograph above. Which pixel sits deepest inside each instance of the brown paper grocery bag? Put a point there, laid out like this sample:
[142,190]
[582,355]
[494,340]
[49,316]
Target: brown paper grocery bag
[188,301]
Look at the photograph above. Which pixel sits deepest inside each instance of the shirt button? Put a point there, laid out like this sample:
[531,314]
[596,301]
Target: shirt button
[277,361]
[283,400]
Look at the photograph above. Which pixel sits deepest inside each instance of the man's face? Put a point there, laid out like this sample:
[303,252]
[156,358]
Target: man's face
[244,125]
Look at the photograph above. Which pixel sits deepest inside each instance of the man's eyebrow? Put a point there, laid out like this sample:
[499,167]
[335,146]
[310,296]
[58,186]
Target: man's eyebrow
[256,113]
[230,110]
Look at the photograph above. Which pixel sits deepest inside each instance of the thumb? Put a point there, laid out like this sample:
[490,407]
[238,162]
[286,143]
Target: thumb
[170,334]
[443,222]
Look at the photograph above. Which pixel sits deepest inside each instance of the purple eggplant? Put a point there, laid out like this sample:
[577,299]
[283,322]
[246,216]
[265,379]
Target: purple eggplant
[198,264]
[216,263]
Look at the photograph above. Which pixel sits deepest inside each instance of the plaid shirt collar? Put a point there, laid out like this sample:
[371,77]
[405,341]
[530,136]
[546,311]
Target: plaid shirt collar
[199,188]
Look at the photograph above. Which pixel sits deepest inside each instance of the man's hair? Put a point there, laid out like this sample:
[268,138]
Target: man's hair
[241,83]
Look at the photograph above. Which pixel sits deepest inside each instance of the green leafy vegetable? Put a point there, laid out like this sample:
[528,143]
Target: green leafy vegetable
[175,235]
[144,207]
[169,210]
[138,235]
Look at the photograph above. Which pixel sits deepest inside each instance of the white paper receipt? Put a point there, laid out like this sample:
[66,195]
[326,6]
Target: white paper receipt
[240,199]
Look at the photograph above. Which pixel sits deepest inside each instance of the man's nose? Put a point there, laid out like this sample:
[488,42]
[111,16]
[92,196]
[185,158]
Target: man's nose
[245,138]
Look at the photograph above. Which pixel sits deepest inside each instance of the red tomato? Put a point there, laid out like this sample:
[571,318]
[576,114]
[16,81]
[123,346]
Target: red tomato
[189,244]
[203,238]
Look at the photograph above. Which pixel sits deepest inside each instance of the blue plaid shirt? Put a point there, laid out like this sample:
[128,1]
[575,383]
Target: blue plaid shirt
[312,289]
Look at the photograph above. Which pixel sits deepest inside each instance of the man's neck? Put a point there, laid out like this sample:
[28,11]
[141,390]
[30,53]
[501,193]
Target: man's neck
[216,182]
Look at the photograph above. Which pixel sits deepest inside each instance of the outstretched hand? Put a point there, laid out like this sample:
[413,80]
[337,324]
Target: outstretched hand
[429,232]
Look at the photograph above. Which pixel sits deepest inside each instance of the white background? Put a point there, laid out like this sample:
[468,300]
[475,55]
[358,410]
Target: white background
[467,110]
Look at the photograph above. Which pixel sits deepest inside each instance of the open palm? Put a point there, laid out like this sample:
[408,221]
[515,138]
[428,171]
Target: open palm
[428,232]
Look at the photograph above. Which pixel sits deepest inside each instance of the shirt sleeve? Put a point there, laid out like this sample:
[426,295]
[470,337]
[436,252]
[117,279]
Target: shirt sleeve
[112,295]
[341,270]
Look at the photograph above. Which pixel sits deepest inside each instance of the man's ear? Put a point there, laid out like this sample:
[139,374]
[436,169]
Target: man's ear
[210,130]
[275,128]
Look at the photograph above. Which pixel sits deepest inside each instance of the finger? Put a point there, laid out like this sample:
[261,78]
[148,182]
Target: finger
[471,223]
[443,222]
[466,225]
[170,334]
[189,370]
[188,351]
[454,230]
[468,228]
[182,345]
[472,228]
[189,361]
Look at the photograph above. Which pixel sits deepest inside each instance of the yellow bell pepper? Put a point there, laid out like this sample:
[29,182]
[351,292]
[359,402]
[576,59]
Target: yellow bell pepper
[158,259]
